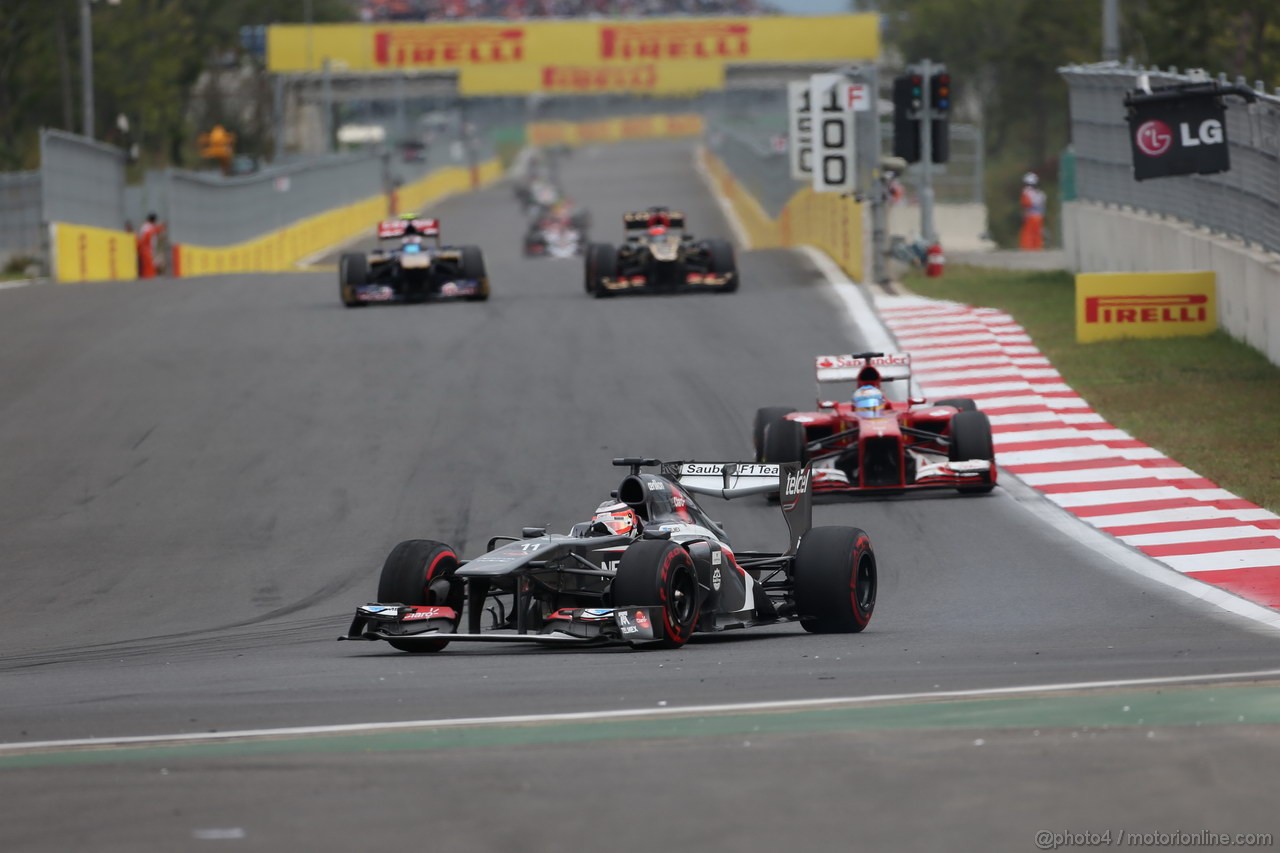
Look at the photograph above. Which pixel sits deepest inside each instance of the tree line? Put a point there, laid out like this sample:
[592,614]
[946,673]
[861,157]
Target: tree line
[1003,56]
[147,56]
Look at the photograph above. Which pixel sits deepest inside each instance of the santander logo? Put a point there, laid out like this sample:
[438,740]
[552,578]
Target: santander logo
[1154,137]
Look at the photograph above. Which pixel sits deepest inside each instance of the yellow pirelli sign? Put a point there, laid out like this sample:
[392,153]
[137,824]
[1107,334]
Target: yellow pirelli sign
[1144,305]
[655,55]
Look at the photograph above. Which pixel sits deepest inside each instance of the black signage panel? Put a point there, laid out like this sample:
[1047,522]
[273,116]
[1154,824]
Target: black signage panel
[1177,133]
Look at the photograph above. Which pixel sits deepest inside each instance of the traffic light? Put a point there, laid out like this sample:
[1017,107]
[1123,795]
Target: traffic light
[908,100]
[218,144]
[940,106]
[940,93]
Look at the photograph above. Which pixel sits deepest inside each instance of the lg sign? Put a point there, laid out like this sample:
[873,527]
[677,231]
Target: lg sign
[1154,137]
[1176,132]
[1210,133]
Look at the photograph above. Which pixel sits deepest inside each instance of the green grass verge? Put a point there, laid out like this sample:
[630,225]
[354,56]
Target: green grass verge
[1212,403]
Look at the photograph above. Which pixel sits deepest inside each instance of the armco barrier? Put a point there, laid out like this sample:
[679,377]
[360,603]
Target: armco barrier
[84,253]
[20,214]
[827,221]
[283,248]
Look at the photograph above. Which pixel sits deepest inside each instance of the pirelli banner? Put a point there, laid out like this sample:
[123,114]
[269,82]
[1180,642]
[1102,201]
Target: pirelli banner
[1144,305]
[660,56]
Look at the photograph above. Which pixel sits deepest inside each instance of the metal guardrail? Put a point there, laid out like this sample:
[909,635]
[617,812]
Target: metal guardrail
[20,232]
[751,157]
[1244,202]
[212,210]
[82,181]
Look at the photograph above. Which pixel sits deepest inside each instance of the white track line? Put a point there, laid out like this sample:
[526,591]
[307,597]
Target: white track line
[634,713]
[856,304]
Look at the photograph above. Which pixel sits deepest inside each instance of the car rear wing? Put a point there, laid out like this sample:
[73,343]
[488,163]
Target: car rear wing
[392,228]
[857,367]
[639,219]
[792,482]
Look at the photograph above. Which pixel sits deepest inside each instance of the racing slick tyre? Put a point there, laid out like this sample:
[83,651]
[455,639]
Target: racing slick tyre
[964,404]
[420,572]
[722,261]
[353,272]
[765,417]
[971,439]
[473,268]
[602,261]
[835,580]
[659,573]
[784,441]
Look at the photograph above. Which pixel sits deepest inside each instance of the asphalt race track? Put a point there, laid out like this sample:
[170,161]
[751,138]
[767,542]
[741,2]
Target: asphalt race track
[199,480]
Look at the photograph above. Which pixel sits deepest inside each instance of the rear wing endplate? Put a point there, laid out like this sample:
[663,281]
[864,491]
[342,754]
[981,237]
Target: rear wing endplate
[790,481]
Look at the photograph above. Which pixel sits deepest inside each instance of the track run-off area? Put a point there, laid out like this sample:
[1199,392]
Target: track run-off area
[199,480]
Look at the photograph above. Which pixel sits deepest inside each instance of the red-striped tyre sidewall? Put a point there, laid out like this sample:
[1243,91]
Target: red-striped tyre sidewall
[826,574]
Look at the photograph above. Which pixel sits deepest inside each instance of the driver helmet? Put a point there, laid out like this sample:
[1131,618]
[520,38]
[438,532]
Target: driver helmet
[618,517]
[412,243]
[868,402]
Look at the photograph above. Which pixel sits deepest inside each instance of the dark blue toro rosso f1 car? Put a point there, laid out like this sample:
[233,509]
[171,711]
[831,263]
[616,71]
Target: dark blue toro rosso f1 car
[649,567]
[412,265]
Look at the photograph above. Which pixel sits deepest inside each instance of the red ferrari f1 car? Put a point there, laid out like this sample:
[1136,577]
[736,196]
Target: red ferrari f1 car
[872,444]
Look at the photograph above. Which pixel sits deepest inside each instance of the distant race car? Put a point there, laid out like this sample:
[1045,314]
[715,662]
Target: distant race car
[559,232]
[649,568]
[416,267]
[658,257]
[912,445]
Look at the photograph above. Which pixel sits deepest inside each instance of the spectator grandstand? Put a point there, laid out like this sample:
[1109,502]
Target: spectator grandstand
[458,10]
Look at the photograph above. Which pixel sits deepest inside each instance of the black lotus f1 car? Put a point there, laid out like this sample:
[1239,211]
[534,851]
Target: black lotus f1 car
[417,268]
[660,257]
[650,567]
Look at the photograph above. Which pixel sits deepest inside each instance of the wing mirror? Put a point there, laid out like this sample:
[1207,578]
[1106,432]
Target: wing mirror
[917,401]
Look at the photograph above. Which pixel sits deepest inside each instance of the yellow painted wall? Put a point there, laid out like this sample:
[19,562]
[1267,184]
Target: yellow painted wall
[830,222]
[82,253]
[95,254]
[282,249]
[666,126]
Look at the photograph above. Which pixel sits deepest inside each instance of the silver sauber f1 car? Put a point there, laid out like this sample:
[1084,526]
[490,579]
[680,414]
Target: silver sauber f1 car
[869,443]
[411,265]
[649,567]
[659,257]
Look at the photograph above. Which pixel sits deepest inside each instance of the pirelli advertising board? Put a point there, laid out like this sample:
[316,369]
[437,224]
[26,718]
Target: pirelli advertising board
[1144,305]
[650,55]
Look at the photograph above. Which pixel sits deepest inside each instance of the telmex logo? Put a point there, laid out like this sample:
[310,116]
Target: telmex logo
[463,46]
[1184,308]
[685,41]
[569,78]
